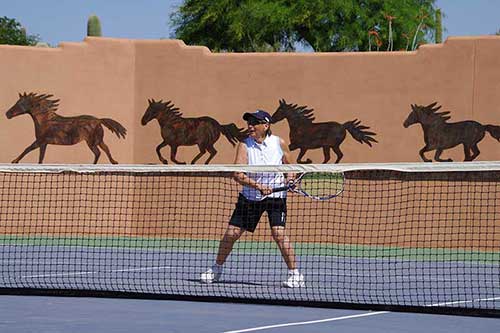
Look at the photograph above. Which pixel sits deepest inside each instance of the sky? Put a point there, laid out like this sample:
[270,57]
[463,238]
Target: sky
[58,21]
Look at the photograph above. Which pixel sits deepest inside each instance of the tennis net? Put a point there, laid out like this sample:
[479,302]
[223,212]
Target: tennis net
[410,237]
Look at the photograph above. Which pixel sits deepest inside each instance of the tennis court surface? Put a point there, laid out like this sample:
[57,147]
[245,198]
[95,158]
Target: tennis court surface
[398,237]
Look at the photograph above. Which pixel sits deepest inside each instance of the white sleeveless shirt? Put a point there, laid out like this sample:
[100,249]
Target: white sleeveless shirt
[268,152]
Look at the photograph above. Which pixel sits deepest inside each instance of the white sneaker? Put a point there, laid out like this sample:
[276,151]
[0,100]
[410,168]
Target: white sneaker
[294,280]
[212,274]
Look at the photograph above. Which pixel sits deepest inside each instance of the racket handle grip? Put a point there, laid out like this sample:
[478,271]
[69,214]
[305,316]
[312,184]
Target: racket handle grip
[281,189]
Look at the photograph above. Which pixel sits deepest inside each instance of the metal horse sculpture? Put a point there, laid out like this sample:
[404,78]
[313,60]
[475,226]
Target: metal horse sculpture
[178,131]
[51,128]
[440,135]
[304,134]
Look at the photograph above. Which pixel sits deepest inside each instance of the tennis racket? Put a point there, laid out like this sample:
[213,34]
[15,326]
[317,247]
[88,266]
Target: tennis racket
[316,185]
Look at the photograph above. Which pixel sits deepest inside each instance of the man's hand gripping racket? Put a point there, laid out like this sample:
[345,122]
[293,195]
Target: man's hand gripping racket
[316,185]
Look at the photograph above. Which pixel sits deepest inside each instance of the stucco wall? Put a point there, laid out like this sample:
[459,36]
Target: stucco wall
[419,212]
[114,78]
[95,78]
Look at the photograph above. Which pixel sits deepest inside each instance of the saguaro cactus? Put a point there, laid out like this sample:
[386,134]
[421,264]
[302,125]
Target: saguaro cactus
[94,26]
[439,27]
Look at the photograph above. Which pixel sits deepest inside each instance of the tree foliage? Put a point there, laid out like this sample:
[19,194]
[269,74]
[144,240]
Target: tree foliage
[323,25]
[12,33]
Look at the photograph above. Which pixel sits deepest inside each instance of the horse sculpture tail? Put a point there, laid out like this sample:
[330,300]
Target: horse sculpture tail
[358,132]
[114,127]
[233,133]
[493,130]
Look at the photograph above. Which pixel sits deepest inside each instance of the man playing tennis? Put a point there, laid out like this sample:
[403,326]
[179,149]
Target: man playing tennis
[260,148]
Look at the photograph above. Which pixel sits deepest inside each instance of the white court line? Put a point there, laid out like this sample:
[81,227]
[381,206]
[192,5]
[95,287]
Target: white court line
[308,322]
[353,316]
[464,302]
[269,326]
[229,270]
[96,272]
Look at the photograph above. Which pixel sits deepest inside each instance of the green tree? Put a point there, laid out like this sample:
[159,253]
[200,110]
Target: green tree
[323,25]
[94,26]
[12,33]
[234,25]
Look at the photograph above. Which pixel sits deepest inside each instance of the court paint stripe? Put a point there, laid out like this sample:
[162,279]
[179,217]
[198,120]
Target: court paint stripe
[97,272]
[464,302]
[352,316]
[308,322]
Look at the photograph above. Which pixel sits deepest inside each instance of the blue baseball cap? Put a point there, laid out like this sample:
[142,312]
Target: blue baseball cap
[259,115]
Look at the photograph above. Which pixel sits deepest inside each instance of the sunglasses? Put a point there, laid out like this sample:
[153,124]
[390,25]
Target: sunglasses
[254,122]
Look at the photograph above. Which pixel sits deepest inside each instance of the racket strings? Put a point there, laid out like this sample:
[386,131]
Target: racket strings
[322,184]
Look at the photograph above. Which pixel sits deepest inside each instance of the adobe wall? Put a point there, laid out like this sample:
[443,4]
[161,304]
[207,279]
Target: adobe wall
[114,78]
[421,213]
[377,88]
[95,77]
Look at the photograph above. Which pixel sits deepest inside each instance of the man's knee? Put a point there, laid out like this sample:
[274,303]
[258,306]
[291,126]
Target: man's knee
[233,234]
[278,234]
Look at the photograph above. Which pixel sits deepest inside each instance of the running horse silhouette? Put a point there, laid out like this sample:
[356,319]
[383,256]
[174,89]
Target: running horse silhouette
[178,131]
[305,135]
[440,135]
[51,128]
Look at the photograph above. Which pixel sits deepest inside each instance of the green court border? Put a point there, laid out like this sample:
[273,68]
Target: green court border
[264,247]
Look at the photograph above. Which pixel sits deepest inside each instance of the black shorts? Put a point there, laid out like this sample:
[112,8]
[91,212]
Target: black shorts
[247,213]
